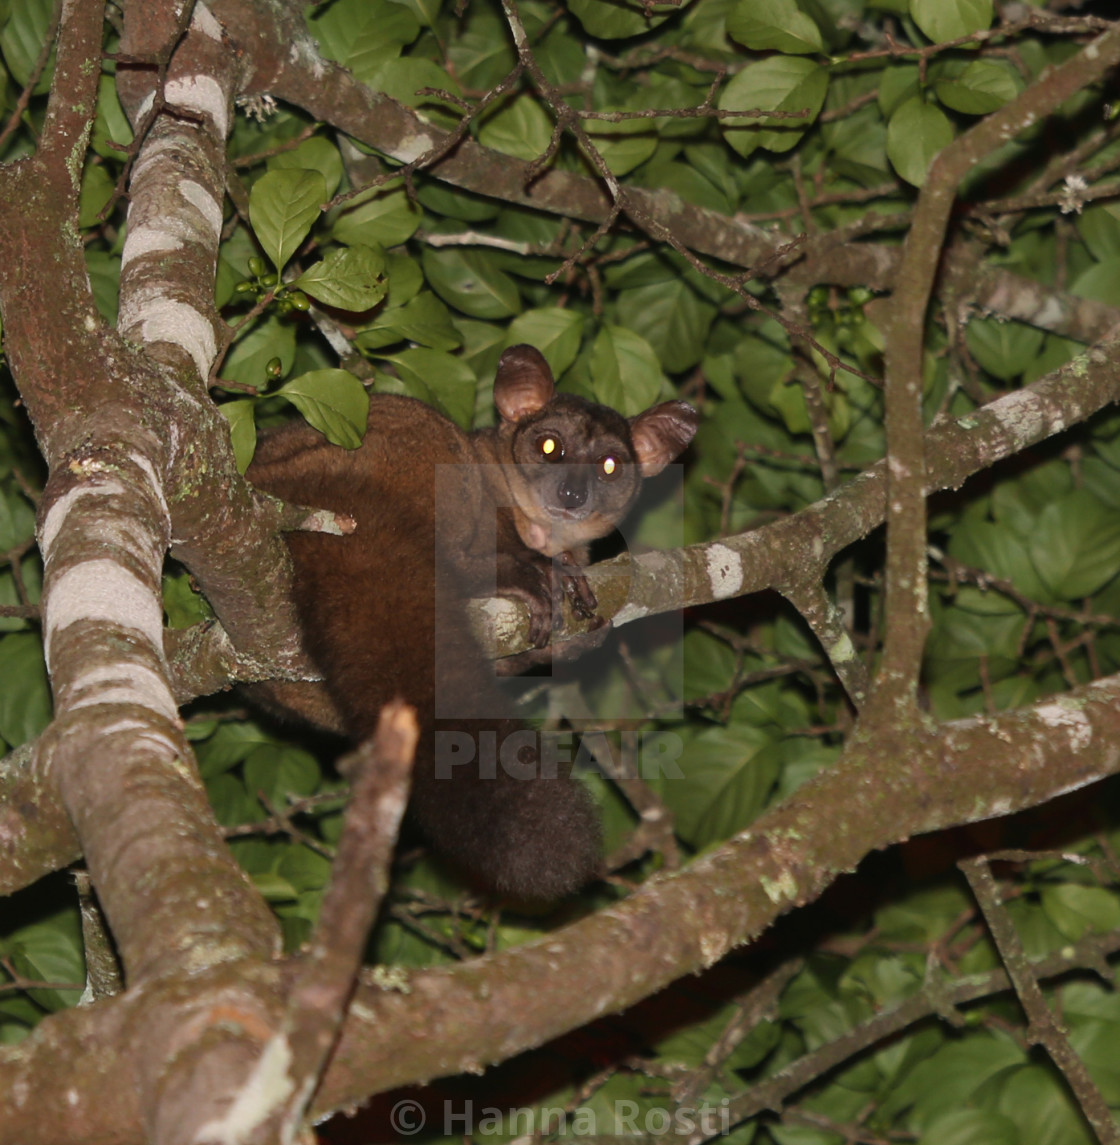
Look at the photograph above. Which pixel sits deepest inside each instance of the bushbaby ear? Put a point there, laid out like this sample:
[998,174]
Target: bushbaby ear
[662,433]
[523,383]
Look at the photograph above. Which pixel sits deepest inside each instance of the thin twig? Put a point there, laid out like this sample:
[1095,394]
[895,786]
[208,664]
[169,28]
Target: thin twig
[1044,1029]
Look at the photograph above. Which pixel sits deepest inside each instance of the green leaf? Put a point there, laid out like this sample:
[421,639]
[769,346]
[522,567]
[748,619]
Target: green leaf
[273,888]
[32,582]
[740,799]
[403,78]
[685,181]
[1005,349]
[452,203]
[17,520]
[227,747]
[976,628]
[17,1015]
[859,146]
[616,21]
[97,188]
[449,380]
[983,86]
[778,25]
[1017,502]
[672,318]
[384,218]
[470,281]
[388,28]
[623,152]
[303,868]
[247,361]
[105,280]
[1084,998]
[314,154]
[1099,227]
[625,372]
[242,430]
[334,26]
[689,1046]
[884,979]
[997,548]
[424,320]
[709,665]
[971,1127]
[922,916]
[181,604]
[25,699]
[333,401]
[1056,352]
[627,143]
[273,772]
[50,951]
[482,53]
[554,331]
[1039,1104]
[1093,1020]
[714,762]
[349,278]
[111,124]
[1100,282]
[943,20]
[1076,910]
[425,11]
[780,83]
[916,134]
[371,53]
[949,1078]
[665,91]
[1075,546]
[899,83]
[787,398]
[561,53]
[283,206]
[521,127]
[22,42]
[406,279]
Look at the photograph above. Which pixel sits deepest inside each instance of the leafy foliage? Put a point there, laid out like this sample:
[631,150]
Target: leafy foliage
[834,124]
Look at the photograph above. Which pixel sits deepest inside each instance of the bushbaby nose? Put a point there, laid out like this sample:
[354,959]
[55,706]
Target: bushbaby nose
[572,492]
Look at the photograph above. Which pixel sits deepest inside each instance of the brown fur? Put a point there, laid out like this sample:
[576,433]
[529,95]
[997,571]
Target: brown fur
[369,602]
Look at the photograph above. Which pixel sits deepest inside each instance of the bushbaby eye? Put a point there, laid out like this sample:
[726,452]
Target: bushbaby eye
[609,467]
[551,447]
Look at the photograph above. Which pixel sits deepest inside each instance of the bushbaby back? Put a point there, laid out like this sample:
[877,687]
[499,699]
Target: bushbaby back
[555,473]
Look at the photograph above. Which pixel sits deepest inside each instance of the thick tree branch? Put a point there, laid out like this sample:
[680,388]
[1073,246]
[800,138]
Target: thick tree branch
[174,896]
[907,602]
[791,554]
[449,1021]
[329,93]
[966,772]
[211,1041]
[325,972]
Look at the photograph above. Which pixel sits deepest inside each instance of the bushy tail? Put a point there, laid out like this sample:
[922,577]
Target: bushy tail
[519,831]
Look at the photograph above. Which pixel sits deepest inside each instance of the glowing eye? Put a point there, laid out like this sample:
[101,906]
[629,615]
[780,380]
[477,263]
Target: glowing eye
[549,446]
[610,466]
